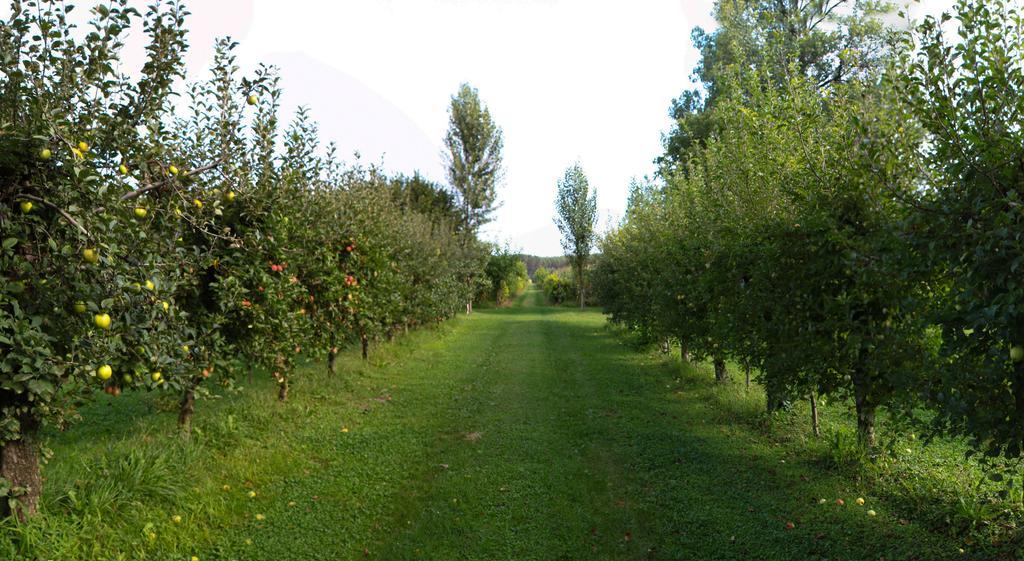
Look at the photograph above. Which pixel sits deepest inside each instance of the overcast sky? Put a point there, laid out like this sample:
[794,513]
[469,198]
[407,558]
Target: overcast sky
[567,80]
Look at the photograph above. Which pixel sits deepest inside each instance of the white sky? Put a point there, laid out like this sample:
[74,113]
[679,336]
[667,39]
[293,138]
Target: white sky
[567,80]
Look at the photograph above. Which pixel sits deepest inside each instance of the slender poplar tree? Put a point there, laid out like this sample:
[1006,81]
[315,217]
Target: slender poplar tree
[576,204]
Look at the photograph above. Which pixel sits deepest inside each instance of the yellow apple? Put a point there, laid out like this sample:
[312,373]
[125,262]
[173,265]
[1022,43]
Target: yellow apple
[251,100]
[140,212]
[150,285]
[26,206]
[173,170]
[157,377]
[90,255]
[45,154]
[83,147]
[176,519]
[229,196]
[123,169]
[198,203]
[102,321]
[859,501]
[165,305]
[105,372]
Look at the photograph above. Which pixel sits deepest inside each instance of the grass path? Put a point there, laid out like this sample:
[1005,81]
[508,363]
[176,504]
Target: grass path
[525,433]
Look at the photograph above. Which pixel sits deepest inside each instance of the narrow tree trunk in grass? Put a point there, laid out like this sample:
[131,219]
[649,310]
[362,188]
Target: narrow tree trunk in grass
[865,422]
[364,341]
[186,410]
[282,389]
[814,415]
[332,357]
[19,465]
[773,401]
[684,355]
[665,348]
[865,408]
[721,373]
[746,368]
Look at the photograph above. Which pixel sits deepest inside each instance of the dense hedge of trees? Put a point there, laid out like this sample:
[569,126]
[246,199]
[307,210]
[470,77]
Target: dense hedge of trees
[150,249]
[506,276]
[845,218]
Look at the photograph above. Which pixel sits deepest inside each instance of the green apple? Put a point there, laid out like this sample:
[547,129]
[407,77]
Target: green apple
[1016,353]
[26,206]
[45,154]
[90,255]
[102,321]
[140,212]
[157,377]
[105,372]
[251,100]
[150,285]
[79,307]
[229,196]
[123,169]
[127,378]
[173,170]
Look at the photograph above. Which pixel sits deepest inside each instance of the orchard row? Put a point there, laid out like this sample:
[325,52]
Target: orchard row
[147,248]
[860,238]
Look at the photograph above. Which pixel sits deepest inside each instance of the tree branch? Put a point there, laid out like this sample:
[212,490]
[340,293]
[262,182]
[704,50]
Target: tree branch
[154,186]
[59,210]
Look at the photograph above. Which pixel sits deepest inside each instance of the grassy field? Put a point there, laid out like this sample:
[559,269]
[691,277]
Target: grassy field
[525,433]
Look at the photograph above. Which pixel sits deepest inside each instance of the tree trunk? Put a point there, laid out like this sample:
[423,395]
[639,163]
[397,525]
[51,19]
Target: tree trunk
[186,410]
[282,389]
[19,465]
[814,415]
[721,373]
[774,400]
[332,356]
[684,354]
[364,341]
[865,422]
[746,370]
[865,410]
[665,346]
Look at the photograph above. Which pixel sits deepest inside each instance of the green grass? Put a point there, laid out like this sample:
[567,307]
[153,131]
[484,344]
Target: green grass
[525,433]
